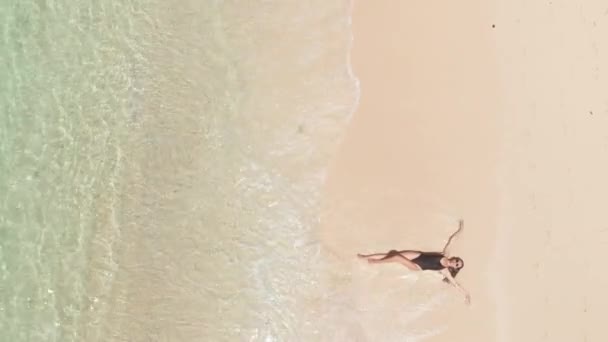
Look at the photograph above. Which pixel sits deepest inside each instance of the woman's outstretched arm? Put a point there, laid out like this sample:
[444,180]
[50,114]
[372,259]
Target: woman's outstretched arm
[460,226]
[446,273]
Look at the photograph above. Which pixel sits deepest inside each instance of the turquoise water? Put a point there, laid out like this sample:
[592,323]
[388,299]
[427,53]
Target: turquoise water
[65,91]
[160,166]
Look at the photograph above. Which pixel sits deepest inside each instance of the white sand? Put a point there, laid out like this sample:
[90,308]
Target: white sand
[506,127]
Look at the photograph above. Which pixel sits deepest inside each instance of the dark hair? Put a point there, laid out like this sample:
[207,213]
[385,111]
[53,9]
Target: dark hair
[453,270]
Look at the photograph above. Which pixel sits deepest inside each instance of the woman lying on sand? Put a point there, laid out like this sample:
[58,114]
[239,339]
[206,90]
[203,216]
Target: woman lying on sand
[423,261]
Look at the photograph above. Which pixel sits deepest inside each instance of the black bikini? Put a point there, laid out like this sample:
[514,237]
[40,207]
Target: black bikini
[429,261]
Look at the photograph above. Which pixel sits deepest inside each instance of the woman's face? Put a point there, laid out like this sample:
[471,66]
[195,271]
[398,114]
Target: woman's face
[456,263]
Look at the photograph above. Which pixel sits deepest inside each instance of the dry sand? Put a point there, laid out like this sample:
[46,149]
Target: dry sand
[495,112]
[553,62]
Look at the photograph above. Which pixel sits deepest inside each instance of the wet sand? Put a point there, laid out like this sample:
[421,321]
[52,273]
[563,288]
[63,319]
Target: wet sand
[421,150]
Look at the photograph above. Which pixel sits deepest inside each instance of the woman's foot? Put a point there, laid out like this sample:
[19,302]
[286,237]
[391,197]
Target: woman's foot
[369,258]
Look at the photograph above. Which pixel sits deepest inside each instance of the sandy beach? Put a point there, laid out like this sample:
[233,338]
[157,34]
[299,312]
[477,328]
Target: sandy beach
[209,170]
[496,113]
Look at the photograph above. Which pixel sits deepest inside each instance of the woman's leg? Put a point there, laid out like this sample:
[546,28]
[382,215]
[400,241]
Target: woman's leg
[381,255]
[409,254]
[398,258]
[367,256]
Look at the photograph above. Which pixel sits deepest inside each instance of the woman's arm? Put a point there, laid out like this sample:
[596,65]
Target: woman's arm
[446,273]
[460,226]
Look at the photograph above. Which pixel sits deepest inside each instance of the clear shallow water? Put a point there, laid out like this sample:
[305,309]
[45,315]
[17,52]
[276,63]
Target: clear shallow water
[64,108]
[161,165]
